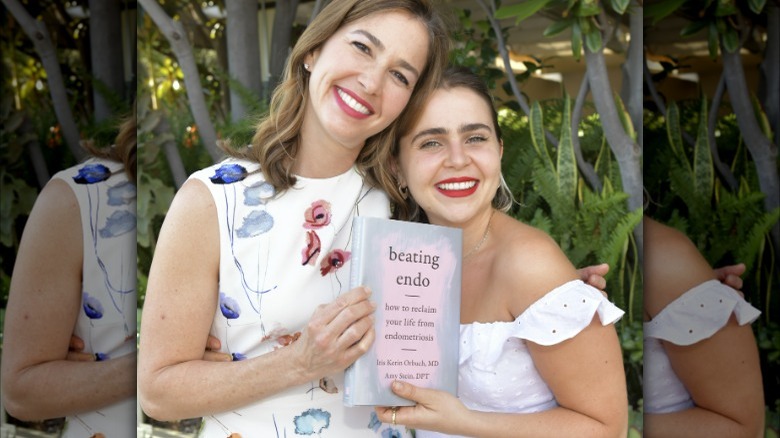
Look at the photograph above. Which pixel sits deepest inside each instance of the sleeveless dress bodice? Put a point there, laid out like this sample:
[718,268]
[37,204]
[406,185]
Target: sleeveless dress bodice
[107,316]
[281,256]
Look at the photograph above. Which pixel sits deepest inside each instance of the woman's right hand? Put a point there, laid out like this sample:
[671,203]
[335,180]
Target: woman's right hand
[337,334]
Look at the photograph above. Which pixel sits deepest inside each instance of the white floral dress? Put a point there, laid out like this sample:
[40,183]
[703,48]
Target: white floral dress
[107,317]
[280,258]
[693,317]
[496,372]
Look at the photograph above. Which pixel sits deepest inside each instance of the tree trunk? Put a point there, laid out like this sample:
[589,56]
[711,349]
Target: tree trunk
[36,155]
[315,10]
[284,16]
[587,170]
[243,53]
[39,35]
[763,151]
[631,92]
[625,149]
[770,68]
[177,37]
[712,120]
[105,38]
[172,154]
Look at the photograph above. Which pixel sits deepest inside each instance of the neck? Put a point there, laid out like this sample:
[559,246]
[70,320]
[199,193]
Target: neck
[475,237]
[319,159]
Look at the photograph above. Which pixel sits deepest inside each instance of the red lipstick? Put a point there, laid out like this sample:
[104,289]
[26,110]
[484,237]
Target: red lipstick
[348,109]
[457,187]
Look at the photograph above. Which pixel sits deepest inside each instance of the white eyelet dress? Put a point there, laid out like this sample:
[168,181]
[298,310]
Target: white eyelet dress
[107,317]
[496,371]
[280,258]
[694,316]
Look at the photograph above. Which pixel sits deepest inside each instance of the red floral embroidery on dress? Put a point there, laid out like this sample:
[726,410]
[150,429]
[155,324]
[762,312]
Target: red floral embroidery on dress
[333,261]
[318,215]
[286,340]
[313,247]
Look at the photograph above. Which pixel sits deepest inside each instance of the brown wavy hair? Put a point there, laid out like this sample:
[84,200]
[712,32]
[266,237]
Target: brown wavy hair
[275,143]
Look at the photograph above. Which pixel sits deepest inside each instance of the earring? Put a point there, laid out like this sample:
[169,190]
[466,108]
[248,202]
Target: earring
[306,66]
[404,191]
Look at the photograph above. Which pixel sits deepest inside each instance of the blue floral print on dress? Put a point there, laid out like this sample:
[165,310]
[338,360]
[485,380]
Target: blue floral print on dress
[312,421]
[92,306]
[229,307]
[119,223]
[92,173]
[237,357]
[228,174]
[391,432]
[374,423]
[121,194]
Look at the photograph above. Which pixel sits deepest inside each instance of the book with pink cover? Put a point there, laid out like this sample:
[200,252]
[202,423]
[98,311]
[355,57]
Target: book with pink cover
[414,272]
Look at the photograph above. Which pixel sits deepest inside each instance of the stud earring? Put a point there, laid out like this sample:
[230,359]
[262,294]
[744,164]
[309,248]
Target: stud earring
[306,66]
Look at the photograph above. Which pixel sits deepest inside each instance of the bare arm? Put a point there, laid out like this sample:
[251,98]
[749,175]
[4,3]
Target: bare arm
[38,380]
[174,379]
[721,373]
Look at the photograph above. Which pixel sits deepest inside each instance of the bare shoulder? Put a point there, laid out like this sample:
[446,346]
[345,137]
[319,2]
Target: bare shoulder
[188,246]
[55,223]
[672,265]
[192,211]
[529,263]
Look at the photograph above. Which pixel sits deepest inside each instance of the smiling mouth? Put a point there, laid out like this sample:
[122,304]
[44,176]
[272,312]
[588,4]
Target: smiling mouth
[352,103]
[464,185]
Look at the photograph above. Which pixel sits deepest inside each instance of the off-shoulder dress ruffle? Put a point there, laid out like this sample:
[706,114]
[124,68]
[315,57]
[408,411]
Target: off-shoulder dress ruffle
[496,371]
[693,317]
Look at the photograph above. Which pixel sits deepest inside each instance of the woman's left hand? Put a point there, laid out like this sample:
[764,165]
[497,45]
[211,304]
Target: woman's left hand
[435,410]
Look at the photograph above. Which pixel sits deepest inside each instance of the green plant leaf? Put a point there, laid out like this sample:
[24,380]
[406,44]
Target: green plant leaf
[521,10]
[750,250]
[756,5]
[558,27]
[730,40]
[660,10]
[588,8]
[674,132]
[712,41]
[703,171]
[566,163]
[693,27]
[593,40]
[576,41]
[537,134]
[625,117]
[620,6]
[617,237]
[725,8]
[761,117]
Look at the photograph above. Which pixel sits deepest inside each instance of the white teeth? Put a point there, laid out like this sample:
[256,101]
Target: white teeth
[457,186]
[352,103]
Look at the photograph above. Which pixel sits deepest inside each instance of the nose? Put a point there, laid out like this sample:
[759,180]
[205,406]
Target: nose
[371,79]
[457,155]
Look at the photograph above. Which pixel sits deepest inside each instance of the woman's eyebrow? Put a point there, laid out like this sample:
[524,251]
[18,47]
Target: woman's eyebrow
[380,46]
[430,131]
[468,127]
